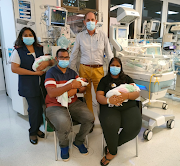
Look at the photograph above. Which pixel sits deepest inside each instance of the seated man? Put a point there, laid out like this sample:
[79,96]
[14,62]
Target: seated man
[60,116]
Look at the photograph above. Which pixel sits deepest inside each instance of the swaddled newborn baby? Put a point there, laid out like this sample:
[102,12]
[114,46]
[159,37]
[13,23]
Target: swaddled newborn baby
[41,59]
[126,88]
[63,99]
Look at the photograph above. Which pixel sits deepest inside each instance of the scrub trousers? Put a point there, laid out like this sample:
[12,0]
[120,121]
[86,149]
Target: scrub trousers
[35,111]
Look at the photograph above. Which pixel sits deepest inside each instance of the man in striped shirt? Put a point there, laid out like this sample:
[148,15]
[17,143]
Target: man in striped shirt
[60,116]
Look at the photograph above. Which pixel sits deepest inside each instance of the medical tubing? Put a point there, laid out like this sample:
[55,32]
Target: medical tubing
[70,119]
[67,110]
[71,125]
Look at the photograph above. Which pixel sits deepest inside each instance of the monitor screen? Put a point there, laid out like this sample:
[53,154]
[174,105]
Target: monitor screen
[122,33]
[155,27]
[58,17]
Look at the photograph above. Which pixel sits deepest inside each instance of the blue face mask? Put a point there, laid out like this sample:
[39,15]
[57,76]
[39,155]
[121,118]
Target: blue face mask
[28,40]
[90,25]
[63,63]
[115,70]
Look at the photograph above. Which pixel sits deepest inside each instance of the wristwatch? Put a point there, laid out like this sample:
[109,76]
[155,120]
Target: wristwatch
[77,90]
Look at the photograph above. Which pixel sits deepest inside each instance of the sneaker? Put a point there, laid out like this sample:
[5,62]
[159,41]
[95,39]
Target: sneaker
[82,149]
[65,153]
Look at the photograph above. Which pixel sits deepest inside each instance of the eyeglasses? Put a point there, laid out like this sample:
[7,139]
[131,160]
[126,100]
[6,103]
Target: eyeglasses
[62,57]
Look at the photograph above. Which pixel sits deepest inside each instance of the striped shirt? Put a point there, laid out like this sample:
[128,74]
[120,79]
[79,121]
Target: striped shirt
[56,78]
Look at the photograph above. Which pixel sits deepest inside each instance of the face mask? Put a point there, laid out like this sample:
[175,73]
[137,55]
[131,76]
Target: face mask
[90,25]
[115,70]
[28,40]
[63,63]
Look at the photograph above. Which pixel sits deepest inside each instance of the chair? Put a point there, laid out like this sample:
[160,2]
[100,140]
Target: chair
[139,104]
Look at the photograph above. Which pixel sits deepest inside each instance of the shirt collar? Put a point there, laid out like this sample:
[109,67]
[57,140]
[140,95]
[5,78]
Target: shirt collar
[67,71]
[96,31]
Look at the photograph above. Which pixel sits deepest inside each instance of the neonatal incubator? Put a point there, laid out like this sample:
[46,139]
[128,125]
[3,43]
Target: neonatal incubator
[147,66]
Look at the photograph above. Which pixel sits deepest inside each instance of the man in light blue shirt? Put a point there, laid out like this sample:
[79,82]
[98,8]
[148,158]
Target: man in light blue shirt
[91,44]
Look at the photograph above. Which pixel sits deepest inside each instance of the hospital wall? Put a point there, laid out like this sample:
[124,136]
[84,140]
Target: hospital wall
[103,8]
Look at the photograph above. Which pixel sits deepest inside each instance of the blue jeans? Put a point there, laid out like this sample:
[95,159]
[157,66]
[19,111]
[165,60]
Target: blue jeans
[60,118]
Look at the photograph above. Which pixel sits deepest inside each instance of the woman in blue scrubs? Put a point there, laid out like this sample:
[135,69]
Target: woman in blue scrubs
[22,59]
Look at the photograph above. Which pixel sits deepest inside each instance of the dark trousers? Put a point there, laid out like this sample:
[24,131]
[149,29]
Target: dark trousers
[35,111]
[113,118]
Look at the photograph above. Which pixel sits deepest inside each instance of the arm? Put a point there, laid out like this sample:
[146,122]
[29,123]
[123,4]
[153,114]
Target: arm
[100,97]
[72,92]
[115,100]
[133,95]
[82,89]
[18,70]
[51,62]
[130,95]
[54,92]
[74,54]
[45,64]
[107,49]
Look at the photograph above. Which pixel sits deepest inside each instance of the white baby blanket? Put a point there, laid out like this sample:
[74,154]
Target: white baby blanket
[41,59]
[63,99]
[123,88]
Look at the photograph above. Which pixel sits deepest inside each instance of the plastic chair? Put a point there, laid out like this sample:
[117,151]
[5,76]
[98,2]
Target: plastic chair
[139,104]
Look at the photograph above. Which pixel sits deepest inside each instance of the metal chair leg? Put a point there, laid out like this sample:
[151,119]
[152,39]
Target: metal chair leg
[45,129]
[137,146]
[103,145]
[55,145]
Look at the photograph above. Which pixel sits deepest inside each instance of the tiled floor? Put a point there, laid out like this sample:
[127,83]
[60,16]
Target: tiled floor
[16,150]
